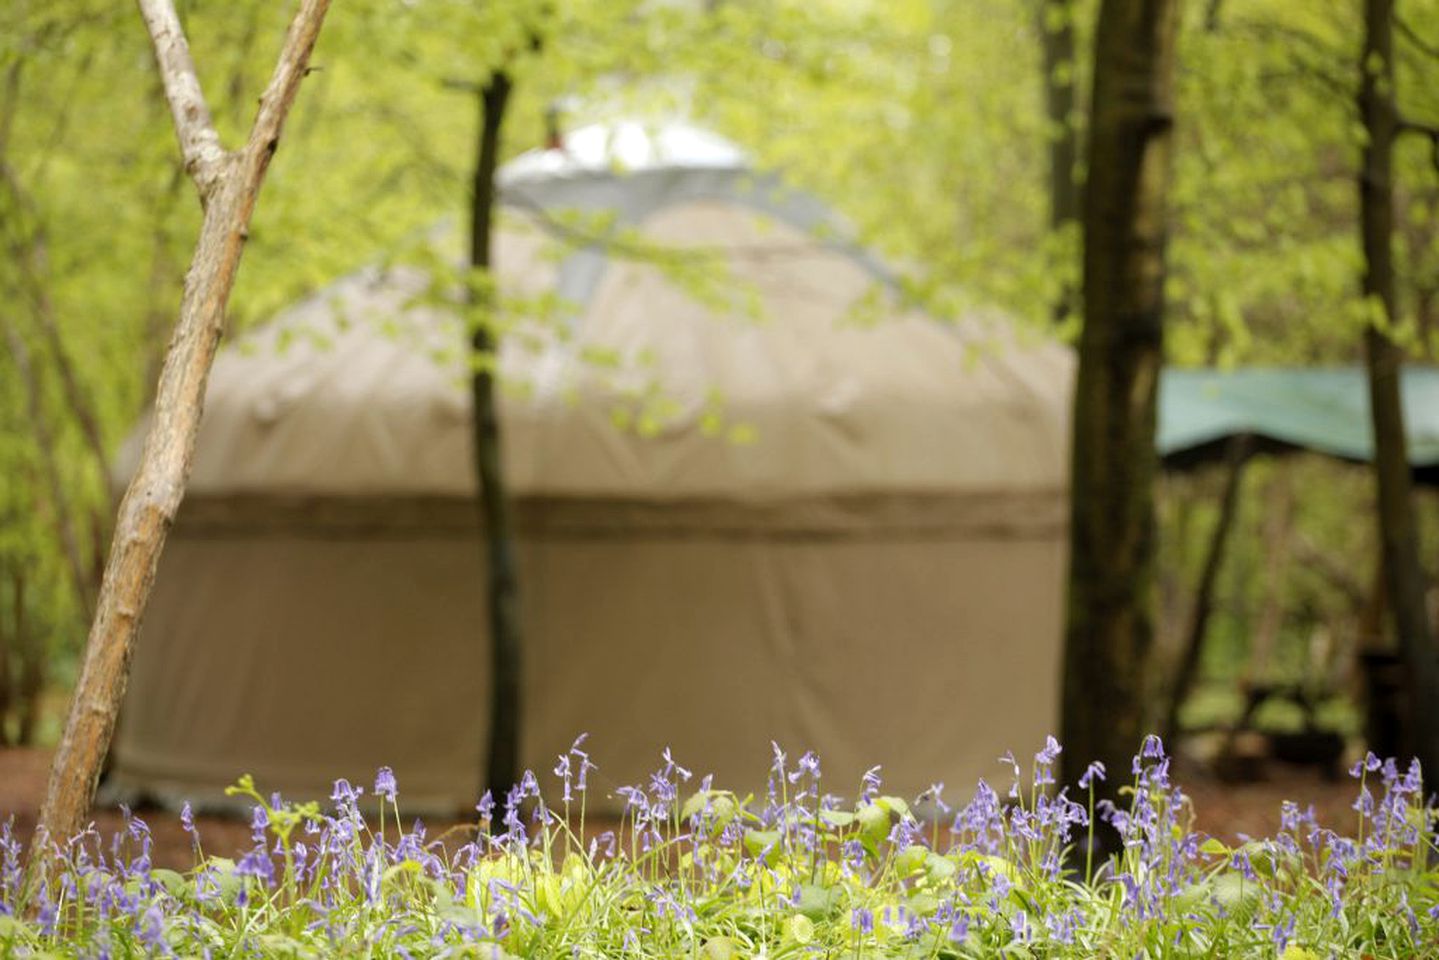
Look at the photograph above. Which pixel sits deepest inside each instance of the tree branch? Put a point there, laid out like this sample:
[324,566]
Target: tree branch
[1410,34]
[1423,129]
[199,141]
[275,102]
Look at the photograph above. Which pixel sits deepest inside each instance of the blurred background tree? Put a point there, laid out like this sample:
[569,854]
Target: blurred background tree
[930,123]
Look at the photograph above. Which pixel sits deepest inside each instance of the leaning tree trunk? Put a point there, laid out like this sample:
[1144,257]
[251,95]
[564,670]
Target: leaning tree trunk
[502,764]
[1399,538]
[228,184]
[1112,573]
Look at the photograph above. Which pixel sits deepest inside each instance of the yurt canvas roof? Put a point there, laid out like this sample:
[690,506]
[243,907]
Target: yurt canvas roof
[359,391]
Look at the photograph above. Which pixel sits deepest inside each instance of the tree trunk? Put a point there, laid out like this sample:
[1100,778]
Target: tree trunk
[502,763]
[1277,528]
[50,465]
[1398,535]
[1112,573]
[1056,25]
[228,185]
[29,252]
[8,646]
[31,679]
[1188,668]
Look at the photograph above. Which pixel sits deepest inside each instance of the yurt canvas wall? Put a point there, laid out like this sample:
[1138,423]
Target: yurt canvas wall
[870,565]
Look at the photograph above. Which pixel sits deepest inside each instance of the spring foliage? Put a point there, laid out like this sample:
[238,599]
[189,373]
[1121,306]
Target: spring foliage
[696,871]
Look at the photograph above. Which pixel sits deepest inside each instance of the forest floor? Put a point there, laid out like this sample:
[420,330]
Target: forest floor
[1223,809]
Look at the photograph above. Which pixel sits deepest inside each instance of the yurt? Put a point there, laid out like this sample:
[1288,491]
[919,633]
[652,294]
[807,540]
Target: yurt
[777,506]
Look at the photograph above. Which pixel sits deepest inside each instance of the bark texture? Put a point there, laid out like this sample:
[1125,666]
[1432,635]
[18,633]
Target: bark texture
[502,585]
[1399,538]
[228,184]
[1112,576]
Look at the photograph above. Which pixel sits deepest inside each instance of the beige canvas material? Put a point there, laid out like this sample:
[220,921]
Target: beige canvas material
[876,574]
[902,406]
[300,661]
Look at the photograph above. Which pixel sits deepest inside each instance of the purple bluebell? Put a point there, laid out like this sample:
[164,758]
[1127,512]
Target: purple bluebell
[385,786]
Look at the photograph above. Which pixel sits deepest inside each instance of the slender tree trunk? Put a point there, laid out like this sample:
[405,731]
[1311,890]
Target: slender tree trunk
[228,184]
[1188,668]
[9,646]
[29,252]
[502,763]
[1277,530]
[1398,534]
[1112,575]
[31,679]
[1057,47]
[49,464]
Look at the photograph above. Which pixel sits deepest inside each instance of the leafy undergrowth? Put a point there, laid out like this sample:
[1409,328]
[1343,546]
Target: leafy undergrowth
[701,873]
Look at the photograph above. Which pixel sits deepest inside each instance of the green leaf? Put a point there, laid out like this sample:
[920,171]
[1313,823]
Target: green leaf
[940,868]
[758,841]
[911,860]
[174,883]
[819,903]
[1214,848]
[874,825]
[719,948]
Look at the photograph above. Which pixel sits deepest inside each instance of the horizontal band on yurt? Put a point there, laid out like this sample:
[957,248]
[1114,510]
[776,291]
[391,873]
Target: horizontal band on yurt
[999,515]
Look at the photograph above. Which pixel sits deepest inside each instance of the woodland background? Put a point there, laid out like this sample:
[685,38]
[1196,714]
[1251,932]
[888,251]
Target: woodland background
[929,123]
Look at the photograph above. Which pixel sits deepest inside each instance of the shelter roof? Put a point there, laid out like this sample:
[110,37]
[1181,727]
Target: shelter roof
[754,320]
[1324,410]
[627,146]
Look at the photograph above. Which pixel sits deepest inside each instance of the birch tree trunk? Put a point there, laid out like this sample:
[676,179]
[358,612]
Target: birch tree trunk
[1112,576]
[1398,535]
[228,184]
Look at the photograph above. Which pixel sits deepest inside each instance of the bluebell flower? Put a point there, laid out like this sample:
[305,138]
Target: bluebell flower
[808,766]
[869,784]
[257,863]
[150,931]
[1368,764]
[777,764]
[385,786]
[259,820]
[344,795]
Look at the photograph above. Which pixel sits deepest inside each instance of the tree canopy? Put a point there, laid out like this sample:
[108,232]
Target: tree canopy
[923,121]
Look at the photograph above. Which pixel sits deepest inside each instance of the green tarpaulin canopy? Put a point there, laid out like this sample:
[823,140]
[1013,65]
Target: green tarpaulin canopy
[1285,409]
